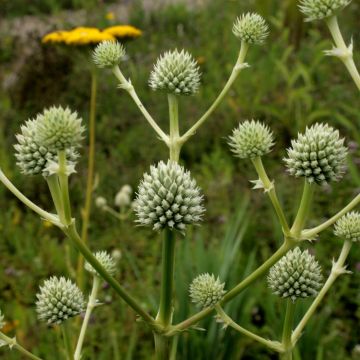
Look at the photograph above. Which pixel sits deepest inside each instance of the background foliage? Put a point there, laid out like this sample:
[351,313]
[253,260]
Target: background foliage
[290,85]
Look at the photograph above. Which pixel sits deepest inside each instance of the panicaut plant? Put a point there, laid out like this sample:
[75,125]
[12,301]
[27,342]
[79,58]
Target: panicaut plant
[169,201]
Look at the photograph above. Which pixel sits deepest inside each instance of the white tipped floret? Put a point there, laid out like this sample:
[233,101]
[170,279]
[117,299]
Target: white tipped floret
[107,262]
[348,227]
[251,28]
[321,9]
[108,54]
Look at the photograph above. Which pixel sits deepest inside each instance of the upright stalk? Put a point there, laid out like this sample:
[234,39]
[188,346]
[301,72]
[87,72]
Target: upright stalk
[64,186]
[174,144]
[90,176]
[287,329]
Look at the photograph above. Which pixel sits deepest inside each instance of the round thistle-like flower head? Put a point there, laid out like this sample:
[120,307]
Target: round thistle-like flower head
[168,197]
[58,129]
[176,73]
[251,139]
[32,158]
[319,155]
[206,290]
[123,197]
[251,28]
[321,9]
[106,260]
[348,226]
[108,54]
[295,275]
[2,322]
[58,300]
[100,202]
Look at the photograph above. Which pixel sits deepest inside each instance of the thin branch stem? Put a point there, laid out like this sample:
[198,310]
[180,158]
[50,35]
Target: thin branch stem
[55,191]
[64,186]
[67,340]
[240,65]
[338,269]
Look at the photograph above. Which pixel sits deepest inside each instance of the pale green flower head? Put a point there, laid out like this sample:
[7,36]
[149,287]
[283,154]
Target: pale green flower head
[107,262]
[58,300]
[348,227]
[206,290]
[168,198]
[251,139]
[2,322]
[321,9]
[176,73]
[295,275]
[32,158]
[108,54]
[58,129]
[251,28]
[319,155]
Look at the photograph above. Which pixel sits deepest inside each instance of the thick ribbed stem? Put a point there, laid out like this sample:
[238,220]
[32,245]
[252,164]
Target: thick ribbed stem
[64,186]
[174,143]
[287,329]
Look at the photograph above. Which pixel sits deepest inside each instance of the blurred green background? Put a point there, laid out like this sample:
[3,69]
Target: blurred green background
[290,85]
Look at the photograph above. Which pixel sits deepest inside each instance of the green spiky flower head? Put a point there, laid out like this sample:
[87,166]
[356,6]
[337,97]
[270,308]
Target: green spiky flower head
[2,322]
[319,155]
[251,139]
[32,158]
[176,72]
[295,275]
[206,290]
[251,28]
[58,129]
[168,198]
[107,262]
[58,300]
[108,54]
[321,9]
[348,226]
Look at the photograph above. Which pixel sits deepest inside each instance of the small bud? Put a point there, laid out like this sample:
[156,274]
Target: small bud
[251,139]
[116,254]
[176,73]
[319,155]
[58,129]
[107,262]
[2,322]
[321,9]
[206,290]
[123,197]
[348,226]
[108,54]
[127,189]
[168,197]
[251,28]
[58,300]
[100,202]
[295,275]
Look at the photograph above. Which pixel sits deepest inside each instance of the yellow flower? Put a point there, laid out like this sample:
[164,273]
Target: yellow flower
[110,15]
[123,31]
[55,37]
[87,35]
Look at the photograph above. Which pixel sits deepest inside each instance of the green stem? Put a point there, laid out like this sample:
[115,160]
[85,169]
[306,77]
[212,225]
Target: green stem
[54,187]
[162,347]
[90,307]
[304,209]
[287,329]
[273,345]
[64,186]
[234,74]
[12,343]
[338,269]
[90,176]
[174,144]
[126,85]
[270,190]
[347,56]
[67,340]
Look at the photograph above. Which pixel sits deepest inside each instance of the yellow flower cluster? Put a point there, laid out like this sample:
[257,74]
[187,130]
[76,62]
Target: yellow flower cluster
[89,35]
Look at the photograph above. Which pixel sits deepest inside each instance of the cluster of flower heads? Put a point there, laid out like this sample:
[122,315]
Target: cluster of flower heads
[90,35]
[206,290]
[168,198]
[321,9]
[295,275]
[41,139]
[106,261]
[251,28]
[348,227]
[58,300]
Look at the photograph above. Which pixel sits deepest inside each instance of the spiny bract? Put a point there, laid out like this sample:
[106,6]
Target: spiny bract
[321,9]
[108,54]
[58,129]
[348,226]
[251,139]
[176,73]
[251,28]
[295,275]
[2,323]
[168,197]
[58,300]
[32,158]
[107,262]
[206,290]
[319,155]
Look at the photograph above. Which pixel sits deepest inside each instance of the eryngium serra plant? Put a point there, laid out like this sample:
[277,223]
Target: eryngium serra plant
[169,199]
[59,299]
[321,9]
